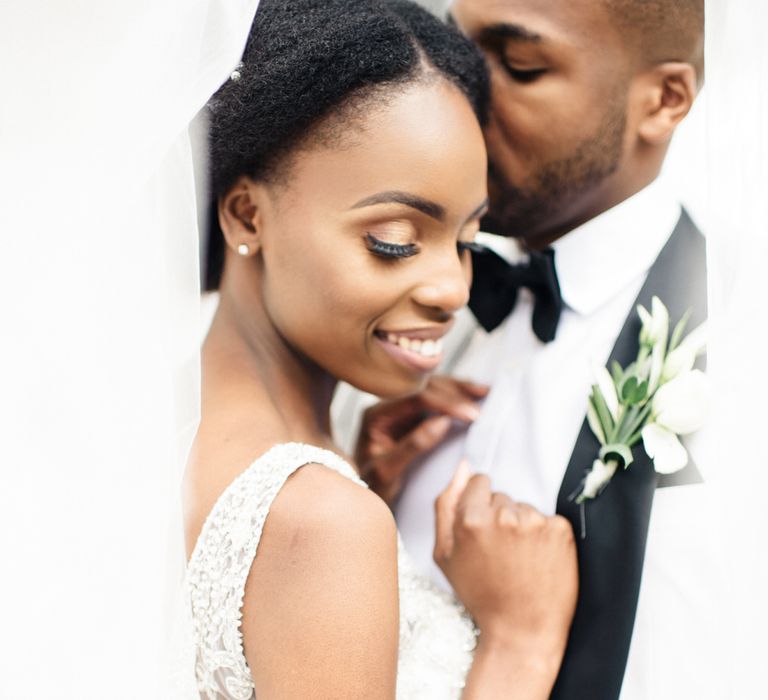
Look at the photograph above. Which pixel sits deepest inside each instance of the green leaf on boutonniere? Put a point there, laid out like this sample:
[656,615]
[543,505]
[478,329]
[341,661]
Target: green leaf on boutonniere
[633,391]
[640,393]
[634,424]
[677,334]
[594,421]
[619,452]
[617,373]
[628,389]
[603,413]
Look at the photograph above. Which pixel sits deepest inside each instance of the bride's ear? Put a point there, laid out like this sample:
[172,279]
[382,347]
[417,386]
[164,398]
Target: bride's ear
[240,216]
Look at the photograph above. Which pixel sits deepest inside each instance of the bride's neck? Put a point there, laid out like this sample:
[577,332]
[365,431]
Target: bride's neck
[247,363]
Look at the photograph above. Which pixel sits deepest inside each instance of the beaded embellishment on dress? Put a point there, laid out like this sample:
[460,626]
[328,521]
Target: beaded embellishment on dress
[437,637]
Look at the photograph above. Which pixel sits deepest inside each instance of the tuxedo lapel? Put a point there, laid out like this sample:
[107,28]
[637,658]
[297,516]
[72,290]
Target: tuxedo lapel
[616,523]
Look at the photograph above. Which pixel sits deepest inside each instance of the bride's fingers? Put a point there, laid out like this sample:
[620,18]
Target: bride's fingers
[529,516]
[445,510]
[421,439]
[474,503]
[461,477]
[501,500]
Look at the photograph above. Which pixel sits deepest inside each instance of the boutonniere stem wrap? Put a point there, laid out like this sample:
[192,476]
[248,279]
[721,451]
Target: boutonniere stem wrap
[655,399]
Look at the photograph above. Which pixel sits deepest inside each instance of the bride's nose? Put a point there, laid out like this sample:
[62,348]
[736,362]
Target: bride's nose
[446,286]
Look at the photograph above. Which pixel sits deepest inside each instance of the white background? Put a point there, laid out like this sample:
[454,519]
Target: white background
[98,320]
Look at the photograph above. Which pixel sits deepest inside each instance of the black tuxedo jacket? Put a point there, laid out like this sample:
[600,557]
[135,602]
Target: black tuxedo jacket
[616,523]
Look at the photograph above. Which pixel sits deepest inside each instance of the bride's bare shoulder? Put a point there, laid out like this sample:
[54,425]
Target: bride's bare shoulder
[323,527]
[322,593]
[318,500]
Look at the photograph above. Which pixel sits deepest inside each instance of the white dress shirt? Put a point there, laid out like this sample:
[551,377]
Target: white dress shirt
[529,423]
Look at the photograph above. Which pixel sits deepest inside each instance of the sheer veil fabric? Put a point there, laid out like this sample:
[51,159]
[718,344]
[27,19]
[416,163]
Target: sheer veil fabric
[100,314]
[99,363]
[734,172]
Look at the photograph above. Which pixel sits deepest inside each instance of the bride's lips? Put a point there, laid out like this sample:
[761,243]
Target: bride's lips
[419,349]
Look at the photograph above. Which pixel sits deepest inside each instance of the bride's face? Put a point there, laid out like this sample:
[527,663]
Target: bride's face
[360,260]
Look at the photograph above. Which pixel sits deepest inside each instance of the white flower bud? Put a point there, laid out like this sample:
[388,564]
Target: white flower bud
[600,474]
[682,358]
[655,325]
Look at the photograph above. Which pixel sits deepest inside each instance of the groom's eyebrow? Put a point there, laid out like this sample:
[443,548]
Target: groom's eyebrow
[431,209]
[509,31]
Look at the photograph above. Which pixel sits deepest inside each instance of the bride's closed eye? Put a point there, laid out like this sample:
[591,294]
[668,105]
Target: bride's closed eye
[385,249]
[388,250]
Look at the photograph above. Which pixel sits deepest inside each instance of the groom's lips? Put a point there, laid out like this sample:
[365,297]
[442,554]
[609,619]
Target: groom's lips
[419,349]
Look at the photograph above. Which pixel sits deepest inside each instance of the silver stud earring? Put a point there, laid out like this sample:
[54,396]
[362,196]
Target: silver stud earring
[236,74]
[243,249]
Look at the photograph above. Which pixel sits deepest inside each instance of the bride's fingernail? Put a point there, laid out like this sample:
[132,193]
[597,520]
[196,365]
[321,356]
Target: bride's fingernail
[469,412]
[439,426]
[462,475]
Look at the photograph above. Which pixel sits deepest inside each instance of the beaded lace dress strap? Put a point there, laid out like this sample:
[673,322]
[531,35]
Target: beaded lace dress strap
[223,556]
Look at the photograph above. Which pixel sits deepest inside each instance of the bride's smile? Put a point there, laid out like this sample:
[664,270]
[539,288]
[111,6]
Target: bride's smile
[420,348]
[357,254]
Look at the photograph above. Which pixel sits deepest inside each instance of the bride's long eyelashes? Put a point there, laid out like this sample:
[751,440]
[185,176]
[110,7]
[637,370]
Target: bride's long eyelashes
[390,250]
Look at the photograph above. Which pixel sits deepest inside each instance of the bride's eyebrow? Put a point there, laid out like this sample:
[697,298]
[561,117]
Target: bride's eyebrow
[480,211]
[425,206]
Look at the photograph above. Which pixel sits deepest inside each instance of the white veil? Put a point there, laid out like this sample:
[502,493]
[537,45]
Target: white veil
[734,187]
[99,287]
[99,323]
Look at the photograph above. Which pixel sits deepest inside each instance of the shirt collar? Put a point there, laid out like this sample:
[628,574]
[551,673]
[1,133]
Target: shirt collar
[603,256]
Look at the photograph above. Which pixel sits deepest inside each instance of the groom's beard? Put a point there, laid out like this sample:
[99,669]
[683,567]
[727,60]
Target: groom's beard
[532,209]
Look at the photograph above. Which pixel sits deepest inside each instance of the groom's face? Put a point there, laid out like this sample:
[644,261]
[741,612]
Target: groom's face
[560,79]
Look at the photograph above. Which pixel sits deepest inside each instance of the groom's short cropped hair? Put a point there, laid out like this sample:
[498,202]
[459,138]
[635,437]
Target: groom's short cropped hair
[311,66]
[662,30]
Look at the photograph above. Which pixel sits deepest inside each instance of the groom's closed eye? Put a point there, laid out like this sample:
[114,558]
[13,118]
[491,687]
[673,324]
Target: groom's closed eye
[518,50]
[522,75]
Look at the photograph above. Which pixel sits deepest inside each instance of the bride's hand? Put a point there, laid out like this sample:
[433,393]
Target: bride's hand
[397,432]
[513,568]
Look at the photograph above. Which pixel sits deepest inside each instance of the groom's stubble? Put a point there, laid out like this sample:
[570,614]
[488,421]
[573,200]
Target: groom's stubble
[585,95]
[527,210]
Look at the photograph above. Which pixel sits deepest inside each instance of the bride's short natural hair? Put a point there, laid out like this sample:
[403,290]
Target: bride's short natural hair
[309,69]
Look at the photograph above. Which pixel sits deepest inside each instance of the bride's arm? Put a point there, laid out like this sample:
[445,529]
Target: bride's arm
[515,571]
[501,669]
[321,601]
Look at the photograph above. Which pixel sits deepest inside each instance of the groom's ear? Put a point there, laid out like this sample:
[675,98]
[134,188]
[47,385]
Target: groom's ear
[667,92]
[240,214]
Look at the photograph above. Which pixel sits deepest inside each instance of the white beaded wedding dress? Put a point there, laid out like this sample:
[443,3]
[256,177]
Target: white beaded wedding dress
[437,637]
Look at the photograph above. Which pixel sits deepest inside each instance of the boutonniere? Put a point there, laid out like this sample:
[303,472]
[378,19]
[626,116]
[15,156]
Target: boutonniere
[655,399]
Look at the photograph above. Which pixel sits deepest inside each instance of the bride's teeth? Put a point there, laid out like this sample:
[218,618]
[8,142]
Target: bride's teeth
[425,348]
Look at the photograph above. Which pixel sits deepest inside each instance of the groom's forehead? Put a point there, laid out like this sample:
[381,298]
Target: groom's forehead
[535,21]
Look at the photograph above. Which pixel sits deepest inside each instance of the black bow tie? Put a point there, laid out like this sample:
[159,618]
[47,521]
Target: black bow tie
[496,283]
